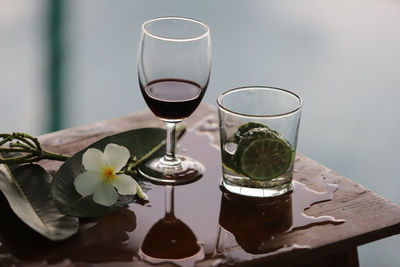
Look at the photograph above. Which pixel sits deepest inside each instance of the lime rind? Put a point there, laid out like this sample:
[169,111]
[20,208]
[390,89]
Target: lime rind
[243,129]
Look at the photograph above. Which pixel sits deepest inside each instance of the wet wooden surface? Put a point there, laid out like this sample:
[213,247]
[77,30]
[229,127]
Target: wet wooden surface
[201,214]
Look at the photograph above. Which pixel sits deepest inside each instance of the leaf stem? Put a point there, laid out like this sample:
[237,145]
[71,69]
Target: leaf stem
[28,146]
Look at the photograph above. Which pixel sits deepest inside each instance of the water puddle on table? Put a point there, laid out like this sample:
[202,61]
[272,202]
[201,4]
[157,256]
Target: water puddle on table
[251,228]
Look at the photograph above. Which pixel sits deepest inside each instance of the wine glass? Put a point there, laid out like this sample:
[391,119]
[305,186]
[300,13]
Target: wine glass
[174,64]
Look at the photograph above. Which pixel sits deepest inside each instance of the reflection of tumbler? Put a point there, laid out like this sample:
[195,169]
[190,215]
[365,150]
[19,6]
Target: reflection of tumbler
[256,222]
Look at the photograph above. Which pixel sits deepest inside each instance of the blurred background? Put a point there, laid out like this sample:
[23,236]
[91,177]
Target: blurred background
[68,63]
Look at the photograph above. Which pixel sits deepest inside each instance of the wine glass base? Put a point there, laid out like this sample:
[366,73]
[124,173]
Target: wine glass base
[188,171]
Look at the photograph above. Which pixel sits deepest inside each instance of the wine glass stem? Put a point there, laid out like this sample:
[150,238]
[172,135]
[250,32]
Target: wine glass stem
[170,158]
[169,202]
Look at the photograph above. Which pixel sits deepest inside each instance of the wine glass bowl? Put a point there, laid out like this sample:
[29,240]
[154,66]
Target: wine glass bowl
[174,64]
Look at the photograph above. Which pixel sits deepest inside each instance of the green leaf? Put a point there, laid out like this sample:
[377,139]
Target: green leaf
[140,142]
[27,189]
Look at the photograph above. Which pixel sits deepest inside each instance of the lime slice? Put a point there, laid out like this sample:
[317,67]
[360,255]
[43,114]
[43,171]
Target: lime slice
[261,132]
[243,129]
[263,158]
[265,132]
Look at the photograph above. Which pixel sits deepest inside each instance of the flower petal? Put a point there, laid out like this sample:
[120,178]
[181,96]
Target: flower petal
[116,156]
[105,194]
[124,184]
[93,160]
[86,182]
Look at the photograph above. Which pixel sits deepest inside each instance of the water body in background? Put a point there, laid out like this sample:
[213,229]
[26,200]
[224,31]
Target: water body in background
[342,57]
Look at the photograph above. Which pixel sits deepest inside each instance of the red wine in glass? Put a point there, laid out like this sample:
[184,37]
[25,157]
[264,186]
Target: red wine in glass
[172,99]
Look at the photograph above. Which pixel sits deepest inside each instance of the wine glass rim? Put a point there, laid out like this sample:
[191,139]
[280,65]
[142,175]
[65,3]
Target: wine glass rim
[207,29]
[260,87]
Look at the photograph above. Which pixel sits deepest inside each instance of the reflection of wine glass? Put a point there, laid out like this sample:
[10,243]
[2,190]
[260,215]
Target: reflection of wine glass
[174,63]
[171,240]
[255,223]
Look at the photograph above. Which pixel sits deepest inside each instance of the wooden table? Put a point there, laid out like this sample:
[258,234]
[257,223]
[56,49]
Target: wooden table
[204,215]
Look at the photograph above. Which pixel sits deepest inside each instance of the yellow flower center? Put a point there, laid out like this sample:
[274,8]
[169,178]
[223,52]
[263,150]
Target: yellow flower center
[109,173]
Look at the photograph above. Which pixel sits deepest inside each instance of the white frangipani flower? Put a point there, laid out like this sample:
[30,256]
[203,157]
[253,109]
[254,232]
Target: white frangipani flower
[102,175]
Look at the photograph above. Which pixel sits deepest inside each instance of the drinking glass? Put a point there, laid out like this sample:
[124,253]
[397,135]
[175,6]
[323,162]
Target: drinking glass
[174,64]
[259,127]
